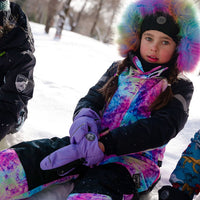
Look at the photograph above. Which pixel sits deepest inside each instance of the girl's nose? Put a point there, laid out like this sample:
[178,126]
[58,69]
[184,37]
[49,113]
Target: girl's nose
[154,47]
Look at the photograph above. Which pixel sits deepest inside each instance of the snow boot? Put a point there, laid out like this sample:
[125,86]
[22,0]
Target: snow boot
[170,193]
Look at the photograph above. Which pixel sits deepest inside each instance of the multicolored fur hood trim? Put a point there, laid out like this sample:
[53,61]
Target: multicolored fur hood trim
[185,15]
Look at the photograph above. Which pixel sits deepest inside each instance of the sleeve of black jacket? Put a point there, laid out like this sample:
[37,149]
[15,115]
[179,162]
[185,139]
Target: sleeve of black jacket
[155,131]
[94,99]
[16,72]
[13,97]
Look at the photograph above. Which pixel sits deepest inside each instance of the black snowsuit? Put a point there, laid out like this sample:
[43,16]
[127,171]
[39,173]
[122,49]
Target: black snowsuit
[16,73]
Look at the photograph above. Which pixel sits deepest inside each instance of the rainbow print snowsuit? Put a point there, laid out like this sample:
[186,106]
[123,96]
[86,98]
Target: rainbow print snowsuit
[136,91]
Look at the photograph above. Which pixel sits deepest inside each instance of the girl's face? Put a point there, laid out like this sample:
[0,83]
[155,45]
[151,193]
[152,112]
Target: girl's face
[156,47]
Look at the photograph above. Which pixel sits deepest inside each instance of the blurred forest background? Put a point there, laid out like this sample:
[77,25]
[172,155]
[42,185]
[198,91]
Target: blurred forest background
[93,18]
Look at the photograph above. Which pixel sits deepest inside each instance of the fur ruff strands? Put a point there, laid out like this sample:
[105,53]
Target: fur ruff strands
[184,12]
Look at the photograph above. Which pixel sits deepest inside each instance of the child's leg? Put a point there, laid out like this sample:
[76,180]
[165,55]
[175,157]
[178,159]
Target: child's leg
[109,181]
[186,175]
[32,152]
[20,173]
[12,175]
[56,191]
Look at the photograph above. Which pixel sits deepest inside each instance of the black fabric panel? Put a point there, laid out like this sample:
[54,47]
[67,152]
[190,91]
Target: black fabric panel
[31,153]
[110,179]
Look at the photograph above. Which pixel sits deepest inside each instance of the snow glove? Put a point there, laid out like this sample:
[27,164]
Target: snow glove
[171,193]
[85,121]
[87,148]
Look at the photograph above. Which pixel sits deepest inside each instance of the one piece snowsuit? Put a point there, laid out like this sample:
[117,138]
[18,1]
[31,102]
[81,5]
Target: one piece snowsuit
[133,149]
[123,116]
[16,72]
[186,175]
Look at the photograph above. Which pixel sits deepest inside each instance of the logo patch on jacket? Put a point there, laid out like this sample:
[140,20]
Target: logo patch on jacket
[21,82]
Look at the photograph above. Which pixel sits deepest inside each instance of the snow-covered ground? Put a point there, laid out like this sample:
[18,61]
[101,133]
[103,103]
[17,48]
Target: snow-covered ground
[64,72]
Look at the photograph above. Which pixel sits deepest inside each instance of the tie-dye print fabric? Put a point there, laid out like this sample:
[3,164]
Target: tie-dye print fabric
[12,176]
[136,91]
[88,196]
[42,187]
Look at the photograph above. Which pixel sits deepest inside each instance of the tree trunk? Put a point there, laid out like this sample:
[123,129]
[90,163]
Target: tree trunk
[74,25]
[116,5]
[96,18]
[62,16]
[52,10]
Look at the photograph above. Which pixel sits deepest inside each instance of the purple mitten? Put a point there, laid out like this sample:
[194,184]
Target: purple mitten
[85,121]
[88,148]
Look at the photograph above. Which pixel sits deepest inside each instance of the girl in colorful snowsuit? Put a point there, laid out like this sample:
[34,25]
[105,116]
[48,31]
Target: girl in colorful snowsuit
[185,178]
[120,128]
[16,67]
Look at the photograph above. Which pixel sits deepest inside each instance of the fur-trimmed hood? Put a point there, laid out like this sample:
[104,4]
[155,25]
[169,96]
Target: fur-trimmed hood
[184,14]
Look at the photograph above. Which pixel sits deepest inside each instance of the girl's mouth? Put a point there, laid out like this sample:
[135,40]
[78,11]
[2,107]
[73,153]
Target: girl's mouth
[152,58]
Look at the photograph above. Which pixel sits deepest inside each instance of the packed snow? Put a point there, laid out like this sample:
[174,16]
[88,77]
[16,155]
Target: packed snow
[64,72]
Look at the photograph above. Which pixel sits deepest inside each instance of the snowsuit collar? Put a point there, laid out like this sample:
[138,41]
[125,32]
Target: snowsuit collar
[146,68]
[154,72]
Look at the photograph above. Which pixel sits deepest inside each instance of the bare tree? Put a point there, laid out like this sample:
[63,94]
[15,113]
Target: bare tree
[75,24]
[99,6]
[52,10]
[198,3]
[93,18]
[62,16]
[114,9]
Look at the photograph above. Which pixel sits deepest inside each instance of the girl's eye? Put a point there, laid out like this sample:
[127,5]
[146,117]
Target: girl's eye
[148,38]
[165,42]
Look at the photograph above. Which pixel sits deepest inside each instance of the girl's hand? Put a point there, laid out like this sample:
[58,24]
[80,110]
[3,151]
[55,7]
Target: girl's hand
[101,146]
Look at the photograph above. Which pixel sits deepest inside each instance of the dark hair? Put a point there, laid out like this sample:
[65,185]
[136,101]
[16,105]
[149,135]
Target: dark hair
[163,99]
[110,87]
[8,25]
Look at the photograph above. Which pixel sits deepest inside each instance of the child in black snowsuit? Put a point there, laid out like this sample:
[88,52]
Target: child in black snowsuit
[120,128]
[16,67]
